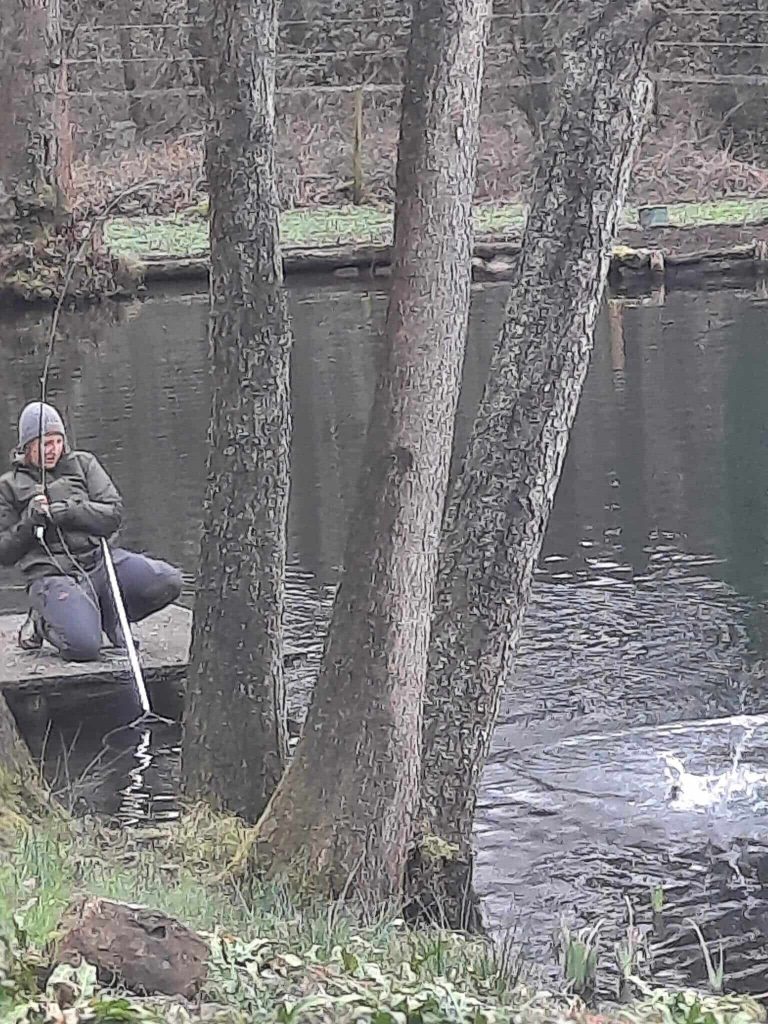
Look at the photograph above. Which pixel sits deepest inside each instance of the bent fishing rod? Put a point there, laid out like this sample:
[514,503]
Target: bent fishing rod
[72,262]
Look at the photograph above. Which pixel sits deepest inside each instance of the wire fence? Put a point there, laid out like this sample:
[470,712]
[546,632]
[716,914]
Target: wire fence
[394,89]
[742,13]
[137,105]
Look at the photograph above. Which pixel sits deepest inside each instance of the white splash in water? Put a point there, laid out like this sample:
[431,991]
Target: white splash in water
[689,791]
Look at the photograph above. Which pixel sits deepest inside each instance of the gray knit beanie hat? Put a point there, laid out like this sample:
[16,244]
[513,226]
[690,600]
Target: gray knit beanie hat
[29,423]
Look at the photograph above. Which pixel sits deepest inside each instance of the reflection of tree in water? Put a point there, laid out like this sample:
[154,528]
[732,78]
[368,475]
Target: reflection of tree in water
[332,379]
[691,383]
[590,461]
[148,399]
[745,490]
[647,458]
[675,381]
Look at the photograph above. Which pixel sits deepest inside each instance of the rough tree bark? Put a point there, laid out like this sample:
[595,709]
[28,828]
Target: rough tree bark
[23,795]
[30,168]
[37,231]
[14,755]
[499,507]
[235,741]
[341,818]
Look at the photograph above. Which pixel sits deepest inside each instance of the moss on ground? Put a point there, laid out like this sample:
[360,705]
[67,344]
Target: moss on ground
[186,234]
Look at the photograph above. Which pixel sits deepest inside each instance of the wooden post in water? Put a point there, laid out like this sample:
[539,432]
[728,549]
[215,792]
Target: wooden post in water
[616,325]
[357,150]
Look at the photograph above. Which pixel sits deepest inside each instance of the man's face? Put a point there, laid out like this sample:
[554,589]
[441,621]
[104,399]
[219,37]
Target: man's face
[53,448]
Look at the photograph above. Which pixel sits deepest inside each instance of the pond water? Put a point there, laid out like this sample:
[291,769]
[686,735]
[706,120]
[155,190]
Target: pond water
[632,745]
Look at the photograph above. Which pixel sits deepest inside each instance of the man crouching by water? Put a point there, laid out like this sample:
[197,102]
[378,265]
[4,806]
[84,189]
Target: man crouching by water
[69,595]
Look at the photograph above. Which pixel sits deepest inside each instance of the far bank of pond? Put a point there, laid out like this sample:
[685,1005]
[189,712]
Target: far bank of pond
[712,238]
[667,245]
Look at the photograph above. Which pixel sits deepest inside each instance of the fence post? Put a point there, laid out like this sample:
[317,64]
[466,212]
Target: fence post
[357,150]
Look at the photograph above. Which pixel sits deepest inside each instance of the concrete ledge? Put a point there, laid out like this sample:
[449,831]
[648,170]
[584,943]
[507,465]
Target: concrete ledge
[164,638]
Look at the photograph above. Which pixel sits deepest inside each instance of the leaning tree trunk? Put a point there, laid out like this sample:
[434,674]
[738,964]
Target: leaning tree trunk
[235,739]
[341,819]
[14,755]
[24,797]
[500,505]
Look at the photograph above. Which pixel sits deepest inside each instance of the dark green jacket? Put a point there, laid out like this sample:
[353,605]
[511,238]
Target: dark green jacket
[85,505]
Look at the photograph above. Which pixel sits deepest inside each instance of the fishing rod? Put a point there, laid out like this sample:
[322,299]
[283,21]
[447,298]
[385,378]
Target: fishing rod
[114,586]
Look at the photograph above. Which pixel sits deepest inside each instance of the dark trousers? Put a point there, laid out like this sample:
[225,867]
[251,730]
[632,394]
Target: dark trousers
[74,612]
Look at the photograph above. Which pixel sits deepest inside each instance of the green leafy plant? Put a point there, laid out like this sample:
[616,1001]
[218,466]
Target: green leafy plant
[688,1007]
[276,961]
[715,972]
[657,898]
[632,955]
[579,958]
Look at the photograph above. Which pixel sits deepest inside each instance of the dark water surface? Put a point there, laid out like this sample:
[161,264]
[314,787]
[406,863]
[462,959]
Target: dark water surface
[645,637]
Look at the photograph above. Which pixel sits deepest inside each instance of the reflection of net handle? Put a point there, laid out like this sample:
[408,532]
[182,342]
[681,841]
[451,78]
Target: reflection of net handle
[40,533]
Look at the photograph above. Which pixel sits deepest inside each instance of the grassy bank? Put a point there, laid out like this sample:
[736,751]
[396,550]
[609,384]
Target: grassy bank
[186,233]
[272,960]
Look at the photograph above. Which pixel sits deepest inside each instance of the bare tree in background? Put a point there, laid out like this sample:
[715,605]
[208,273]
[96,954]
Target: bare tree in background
[32,170]
[235,741]
[500,505]
[341,819]
[153,60]
[534,41]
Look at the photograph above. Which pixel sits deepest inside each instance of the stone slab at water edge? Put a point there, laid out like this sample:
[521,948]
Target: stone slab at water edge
[164,649]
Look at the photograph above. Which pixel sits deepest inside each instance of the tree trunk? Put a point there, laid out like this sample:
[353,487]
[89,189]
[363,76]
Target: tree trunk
[24,798]
[35,166]
[533,38]
[122,15]
[499,507]
[341,819]
[235,738]
[14,755]
[30,167]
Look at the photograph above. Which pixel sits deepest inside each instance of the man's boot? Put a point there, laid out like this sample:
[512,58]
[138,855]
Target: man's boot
[30,636]
[117,641]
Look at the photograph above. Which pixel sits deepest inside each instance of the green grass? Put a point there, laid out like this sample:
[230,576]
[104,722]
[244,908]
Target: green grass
[139,237]
[186,234]
[272,961]
[725,211]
